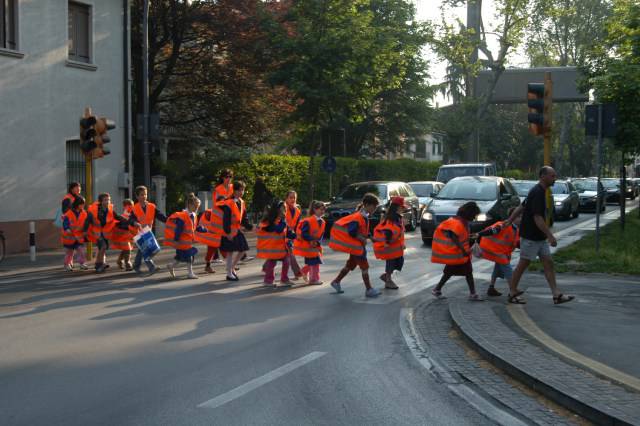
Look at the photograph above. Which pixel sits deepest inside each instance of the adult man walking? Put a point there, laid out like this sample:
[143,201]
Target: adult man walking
[535,237]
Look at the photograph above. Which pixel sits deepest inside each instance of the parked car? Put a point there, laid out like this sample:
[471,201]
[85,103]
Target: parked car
[450,171]
[494,195]
[523,187]
[612,188]
[425,190]
[636,185]
[589,194]
[346,202]
[629,190]
[566,200]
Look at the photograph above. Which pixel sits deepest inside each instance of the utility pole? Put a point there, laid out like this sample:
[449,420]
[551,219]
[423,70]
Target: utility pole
[145,94]
[474,11]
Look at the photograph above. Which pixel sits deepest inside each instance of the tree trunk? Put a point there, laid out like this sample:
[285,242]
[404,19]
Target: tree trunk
[315,142]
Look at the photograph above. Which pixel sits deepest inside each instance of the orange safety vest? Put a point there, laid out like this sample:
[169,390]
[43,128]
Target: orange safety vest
[498,247]
[340,238]
[121,238]
[292,220]
[95,229]
[444,250]
[236,214]
[212,236]
[69,197]
[395,248]
[75,233]
[271,245]
[221,192]
[185,242]
[302,247]
[147,216]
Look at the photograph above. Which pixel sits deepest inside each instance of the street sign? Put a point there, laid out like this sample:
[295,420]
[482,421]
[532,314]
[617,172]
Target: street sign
[608,120]
[329,164]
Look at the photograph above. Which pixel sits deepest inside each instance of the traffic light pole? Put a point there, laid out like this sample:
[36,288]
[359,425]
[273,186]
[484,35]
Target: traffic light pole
[88,169]
[548,96]
[145,94]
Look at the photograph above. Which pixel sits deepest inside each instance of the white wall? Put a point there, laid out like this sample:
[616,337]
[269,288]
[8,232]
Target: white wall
[42,99]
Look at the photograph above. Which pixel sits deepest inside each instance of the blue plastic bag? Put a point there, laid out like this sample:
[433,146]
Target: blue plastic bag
[147,243]
[57,221]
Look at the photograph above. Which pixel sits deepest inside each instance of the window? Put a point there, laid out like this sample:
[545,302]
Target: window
[75,163]
[79,32]
[8,33]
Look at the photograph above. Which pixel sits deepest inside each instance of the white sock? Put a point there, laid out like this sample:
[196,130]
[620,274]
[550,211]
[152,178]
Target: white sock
[230,265]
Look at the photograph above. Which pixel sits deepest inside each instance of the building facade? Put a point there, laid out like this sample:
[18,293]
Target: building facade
[430,147]
[56,58]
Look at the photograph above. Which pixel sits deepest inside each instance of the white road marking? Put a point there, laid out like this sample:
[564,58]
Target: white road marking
[262,380]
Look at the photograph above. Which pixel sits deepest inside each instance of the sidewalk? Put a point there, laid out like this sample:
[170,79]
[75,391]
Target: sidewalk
[582,355]
[47,260]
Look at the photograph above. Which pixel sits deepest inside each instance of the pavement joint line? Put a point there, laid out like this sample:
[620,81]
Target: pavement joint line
[462,390]
[519,315]
[260,381]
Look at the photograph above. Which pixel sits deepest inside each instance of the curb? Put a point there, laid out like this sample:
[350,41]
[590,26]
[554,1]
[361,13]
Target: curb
[603,415]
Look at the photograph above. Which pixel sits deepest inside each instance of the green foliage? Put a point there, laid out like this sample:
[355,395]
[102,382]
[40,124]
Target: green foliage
[282,173]
[519,174]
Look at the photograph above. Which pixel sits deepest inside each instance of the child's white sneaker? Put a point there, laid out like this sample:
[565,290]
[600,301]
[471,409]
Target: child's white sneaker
[171,270]
[192,276]
[84,266]
[68,268]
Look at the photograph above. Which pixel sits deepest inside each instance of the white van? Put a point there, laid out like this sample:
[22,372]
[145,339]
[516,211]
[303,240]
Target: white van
[450,171]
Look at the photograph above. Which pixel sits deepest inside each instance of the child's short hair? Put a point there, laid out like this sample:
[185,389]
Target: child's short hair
[468,211]
[102,196]
[289,192]
[370,199]
[193,200]
[127,202]
[238,185]
[73,185]
[77,202]
[141,188]
[315,204]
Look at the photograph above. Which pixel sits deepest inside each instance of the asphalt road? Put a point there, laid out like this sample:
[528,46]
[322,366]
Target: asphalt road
[123,350]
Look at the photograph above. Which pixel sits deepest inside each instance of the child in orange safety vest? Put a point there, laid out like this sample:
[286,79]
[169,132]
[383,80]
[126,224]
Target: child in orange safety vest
[451,247]
[74,226]
[497,243]
[122,236]
[179,233]
[210,234]
[102,219]
[388,241]
[271,237]
[309,234]
[234,217]
[146,213]
[349,235]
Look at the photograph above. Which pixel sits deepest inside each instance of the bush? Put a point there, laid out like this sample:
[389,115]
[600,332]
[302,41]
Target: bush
[284,172]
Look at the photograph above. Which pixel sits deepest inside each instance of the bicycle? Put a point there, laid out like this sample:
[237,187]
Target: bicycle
[2,246]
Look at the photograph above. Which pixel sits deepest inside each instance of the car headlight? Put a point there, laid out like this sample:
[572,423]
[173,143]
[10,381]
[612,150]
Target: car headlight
[558,203]
[427,216]
[482,217]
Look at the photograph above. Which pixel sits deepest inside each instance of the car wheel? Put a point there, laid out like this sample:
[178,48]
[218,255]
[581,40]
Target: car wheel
[413,222]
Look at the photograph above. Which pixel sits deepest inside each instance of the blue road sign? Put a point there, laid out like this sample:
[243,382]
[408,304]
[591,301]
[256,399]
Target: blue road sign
[329,164]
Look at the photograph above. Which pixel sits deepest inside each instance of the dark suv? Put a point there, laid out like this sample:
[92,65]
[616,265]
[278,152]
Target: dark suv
[494,195]
[346,202]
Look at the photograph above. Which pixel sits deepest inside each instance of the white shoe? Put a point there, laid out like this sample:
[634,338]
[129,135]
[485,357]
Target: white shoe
[217,261]
[84,266]
[192,276]
[68,268]
[171,271]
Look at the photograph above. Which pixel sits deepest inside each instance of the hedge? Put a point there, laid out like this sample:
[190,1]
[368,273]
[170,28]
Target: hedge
[284,172]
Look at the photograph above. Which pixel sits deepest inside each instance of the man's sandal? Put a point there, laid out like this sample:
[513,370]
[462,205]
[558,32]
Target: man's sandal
[561,298]
[515,299]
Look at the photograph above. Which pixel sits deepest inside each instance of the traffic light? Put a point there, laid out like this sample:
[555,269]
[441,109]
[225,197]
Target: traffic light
[87,134]
[535,101]
[102,126]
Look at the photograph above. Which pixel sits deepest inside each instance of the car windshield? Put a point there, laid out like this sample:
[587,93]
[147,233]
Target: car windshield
[559,188]
[610,184]
[448,173]
[357,191]
[523,187]
[585,185]
[422,189]
[480,190]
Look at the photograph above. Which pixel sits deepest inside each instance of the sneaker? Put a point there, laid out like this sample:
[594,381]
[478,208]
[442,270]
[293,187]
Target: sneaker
[208,269]
[136,270]
[192,276]
[437,294]
[172,272]
[475,298]
[217,261]
[153,269]
[372,292]
[491,291]
[100,268]
[120,264]
[128,267]
[315,283]
[248,258]
[233,278]
[84,266]
[68,268]
[337,287]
